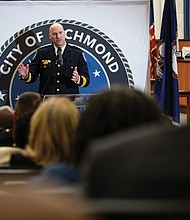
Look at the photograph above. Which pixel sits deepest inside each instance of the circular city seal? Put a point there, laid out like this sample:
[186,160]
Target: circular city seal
[107,64]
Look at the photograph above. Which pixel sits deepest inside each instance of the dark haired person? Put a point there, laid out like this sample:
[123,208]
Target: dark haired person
[111,111]
[6,124]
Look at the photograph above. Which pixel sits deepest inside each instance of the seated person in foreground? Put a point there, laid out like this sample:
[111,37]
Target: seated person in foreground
[112,111]
[52,133]
[151,162]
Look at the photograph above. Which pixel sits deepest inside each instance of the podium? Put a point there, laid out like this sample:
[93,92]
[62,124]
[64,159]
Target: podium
[79,100]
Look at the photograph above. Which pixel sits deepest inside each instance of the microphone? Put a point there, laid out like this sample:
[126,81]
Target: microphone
[60,57]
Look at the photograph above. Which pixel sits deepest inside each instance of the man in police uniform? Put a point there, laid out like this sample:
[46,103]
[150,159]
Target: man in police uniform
[59,74]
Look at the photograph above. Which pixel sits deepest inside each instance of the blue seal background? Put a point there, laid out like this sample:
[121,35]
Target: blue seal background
[11,86]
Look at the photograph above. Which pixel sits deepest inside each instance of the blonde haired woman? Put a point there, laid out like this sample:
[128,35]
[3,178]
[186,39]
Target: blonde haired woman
[52,134]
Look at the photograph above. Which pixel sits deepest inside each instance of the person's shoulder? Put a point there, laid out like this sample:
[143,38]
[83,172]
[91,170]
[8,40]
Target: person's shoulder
[62,172]
[74,48]
[45,48]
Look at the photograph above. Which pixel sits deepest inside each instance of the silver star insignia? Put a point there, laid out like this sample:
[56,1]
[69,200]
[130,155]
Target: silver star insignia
[96,73]
[2,96]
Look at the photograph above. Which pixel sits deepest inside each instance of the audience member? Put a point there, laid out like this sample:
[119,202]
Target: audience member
[144,163]
[145,170]
[21,133]
[122,164]
[52,134]
[6,117]
[141,175]
[111,111]
[21,130]
[25,106]
[6,124]
[27,102]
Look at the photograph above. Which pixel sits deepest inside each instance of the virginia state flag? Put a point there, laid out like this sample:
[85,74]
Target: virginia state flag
[166,83]
[153,47]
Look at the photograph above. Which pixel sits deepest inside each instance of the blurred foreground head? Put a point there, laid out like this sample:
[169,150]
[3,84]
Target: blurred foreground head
[113,110]
[52,131]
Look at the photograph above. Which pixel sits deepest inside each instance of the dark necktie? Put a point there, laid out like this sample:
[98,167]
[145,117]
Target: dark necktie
[60,57]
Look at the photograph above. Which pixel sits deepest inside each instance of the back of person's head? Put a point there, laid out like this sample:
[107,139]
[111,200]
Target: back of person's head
[27,102]
[6,117]
[52,131]
[113,110]
[21,130]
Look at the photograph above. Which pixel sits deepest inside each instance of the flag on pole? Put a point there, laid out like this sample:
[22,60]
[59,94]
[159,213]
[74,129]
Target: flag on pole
[153,47]
[166,83]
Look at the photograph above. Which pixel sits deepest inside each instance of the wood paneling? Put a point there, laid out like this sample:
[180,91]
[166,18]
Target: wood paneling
[183,43]
[184,72]
[184,77]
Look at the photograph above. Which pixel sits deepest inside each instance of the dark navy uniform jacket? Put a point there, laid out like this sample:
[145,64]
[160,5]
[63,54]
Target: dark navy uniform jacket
[56,79]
